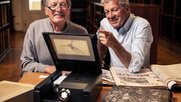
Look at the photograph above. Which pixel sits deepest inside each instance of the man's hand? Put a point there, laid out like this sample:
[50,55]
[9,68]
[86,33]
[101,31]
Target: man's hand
[50,69]
[106,38]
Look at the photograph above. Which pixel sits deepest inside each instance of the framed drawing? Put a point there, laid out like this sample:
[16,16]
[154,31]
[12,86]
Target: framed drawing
[73,51]
[72,47]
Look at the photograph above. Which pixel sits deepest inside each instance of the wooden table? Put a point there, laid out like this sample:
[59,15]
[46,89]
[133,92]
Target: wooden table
[34,78]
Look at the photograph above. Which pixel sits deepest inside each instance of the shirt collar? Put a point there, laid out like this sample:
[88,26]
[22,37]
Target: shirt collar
[127,25]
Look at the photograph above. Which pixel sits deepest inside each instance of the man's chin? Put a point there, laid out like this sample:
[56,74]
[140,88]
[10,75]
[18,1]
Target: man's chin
[115,25]
[59,20]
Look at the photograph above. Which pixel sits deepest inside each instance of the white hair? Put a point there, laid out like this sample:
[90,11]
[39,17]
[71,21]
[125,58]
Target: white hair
[122,3]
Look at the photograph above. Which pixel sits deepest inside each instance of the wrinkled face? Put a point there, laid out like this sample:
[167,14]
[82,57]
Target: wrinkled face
[58,11]
[115,14]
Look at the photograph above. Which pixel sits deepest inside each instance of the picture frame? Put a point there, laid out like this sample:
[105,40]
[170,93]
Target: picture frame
[73,51]
[71,47]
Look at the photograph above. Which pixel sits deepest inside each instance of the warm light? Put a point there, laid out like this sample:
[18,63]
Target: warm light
[64,94]
[34,4]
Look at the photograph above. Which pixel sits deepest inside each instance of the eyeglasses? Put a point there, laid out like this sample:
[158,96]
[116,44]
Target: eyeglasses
[54,5]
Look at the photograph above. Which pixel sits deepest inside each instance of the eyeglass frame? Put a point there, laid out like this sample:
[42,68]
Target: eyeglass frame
[44,3]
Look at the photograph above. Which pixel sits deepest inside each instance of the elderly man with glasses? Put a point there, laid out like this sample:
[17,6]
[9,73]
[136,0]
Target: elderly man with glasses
[35,56]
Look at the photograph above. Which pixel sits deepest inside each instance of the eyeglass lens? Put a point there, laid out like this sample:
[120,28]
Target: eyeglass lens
[55,5]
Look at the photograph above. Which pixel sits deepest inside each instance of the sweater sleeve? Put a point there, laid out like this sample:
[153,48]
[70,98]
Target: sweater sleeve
[29,56]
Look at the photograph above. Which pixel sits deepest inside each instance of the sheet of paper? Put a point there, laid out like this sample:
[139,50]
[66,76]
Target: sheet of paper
[43,76]
[59,80]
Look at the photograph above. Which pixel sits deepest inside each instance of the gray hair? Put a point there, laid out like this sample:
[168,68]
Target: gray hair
[45,2]
[122,3]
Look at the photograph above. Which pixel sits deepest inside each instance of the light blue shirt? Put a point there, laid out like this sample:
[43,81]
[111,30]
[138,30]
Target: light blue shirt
[136,37]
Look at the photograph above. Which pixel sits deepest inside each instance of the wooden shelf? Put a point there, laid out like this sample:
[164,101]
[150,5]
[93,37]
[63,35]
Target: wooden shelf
[157,2]
[78,12]
[4,28]
[171,22]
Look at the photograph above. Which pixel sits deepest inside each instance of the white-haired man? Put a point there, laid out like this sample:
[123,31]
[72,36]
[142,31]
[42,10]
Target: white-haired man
[127,37]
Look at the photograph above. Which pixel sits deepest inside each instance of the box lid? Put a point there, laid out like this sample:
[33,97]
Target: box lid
[73,51]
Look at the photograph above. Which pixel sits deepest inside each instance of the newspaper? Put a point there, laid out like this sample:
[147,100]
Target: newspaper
[107,78]
[144,78]
[169,74]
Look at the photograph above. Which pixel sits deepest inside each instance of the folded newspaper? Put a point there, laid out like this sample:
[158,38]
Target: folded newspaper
[157,76]
[169,74]
[144,78]
[122,76]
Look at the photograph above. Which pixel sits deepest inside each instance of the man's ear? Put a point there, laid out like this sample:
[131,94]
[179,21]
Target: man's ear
[128,8]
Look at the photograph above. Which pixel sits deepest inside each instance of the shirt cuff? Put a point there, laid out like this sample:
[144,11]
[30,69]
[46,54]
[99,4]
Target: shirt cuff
[41,68]
[135,64]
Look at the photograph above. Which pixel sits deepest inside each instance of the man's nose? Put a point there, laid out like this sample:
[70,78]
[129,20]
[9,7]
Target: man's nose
[110,14]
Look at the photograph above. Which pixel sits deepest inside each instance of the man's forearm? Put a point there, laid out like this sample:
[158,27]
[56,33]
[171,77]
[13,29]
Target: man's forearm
[102,51]
[122,54]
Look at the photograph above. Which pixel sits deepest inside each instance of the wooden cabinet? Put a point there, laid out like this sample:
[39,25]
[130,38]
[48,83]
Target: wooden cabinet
[150,12]
[4,28]
[146,1]
[78,12]
[94,16]
[171,23]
